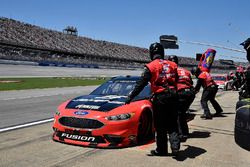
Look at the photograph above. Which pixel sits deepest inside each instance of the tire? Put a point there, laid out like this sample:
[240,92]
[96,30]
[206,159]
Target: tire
[145,127]
[242,129]
[242,102]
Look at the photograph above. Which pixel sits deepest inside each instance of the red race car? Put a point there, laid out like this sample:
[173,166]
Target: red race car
[222,81]
[101,119]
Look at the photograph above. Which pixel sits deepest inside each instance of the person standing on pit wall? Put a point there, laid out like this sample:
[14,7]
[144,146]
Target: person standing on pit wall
[186,95]
[162,74]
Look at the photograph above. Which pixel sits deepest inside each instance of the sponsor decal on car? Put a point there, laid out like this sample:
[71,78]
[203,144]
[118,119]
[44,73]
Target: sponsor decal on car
[90,100]
[91,107]
[81,112]
[77,137]
[110,97]
[116,102]
[99,100]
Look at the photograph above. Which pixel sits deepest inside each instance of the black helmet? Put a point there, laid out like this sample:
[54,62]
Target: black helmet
[196,71]
[173,59]
[156,49]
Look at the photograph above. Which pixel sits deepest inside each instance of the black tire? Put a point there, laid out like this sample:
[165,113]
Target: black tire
[242,129]
[242,102]
[145,128]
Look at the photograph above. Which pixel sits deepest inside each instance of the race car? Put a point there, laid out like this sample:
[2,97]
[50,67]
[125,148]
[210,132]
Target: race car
[222,81]
[102,120]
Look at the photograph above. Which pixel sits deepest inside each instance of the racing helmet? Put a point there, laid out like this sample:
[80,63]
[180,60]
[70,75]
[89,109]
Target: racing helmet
[173,58]
[196,71]
[156,50]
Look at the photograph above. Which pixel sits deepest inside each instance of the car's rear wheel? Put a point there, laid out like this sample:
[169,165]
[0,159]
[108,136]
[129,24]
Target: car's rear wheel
[145,131]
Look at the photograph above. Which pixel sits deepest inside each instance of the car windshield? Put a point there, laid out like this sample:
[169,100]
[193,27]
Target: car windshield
[120,88]
[219,78]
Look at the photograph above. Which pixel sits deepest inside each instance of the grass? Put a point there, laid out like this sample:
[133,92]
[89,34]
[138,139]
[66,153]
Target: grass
[34,83]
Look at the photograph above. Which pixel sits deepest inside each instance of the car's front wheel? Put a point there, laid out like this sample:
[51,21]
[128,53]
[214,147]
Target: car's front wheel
[145,128]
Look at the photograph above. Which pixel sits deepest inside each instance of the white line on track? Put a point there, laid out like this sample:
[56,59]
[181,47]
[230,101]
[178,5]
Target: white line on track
[29,97]
[26,125]
[36,96]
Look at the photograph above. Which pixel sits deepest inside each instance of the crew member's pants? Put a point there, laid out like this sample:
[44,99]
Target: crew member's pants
[186,98]
[165,120]
[209,94]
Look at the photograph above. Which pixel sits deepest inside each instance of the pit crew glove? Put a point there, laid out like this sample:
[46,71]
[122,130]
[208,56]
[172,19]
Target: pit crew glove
[128,100]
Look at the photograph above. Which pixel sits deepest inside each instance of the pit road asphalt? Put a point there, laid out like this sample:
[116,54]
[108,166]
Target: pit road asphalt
[211,142]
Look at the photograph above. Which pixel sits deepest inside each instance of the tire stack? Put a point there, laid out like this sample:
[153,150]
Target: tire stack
[242,124]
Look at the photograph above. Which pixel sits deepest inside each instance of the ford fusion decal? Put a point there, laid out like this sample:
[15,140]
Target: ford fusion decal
[81,113]
[78,137]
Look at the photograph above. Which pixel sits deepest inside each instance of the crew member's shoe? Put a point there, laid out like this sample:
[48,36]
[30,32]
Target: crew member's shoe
[155,153]
[175,152]
[206,116]
[217,114]
[183,138]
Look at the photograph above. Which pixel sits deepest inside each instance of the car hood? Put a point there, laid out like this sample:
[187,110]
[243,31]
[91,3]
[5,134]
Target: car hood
[96,102]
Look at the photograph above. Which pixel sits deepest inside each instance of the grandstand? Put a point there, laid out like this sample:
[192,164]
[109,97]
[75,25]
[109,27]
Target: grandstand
[21,41]
[25,42]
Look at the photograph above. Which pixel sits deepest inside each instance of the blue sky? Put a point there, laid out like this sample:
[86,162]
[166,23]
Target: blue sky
[141,22]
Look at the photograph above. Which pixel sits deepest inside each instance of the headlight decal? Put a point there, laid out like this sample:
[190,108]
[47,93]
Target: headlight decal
[119,117]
